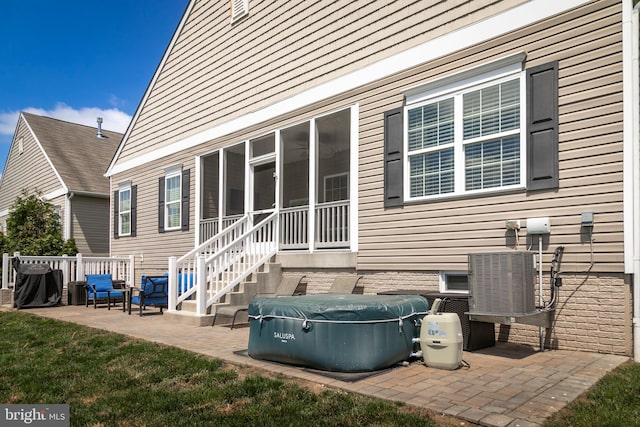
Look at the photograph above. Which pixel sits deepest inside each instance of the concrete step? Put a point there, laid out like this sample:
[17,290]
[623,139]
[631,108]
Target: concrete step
[189,306]
[189,318]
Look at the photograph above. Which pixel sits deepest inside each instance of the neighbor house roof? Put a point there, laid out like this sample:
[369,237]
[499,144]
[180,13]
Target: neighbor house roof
[77,154]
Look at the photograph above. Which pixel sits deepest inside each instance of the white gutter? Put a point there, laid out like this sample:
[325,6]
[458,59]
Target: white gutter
[631,84]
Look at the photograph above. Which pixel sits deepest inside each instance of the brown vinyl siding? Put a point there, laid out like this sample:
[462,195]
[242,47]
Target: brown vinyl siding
[426,236]
[286,47]
[437,235]
[19,169]
[151,248]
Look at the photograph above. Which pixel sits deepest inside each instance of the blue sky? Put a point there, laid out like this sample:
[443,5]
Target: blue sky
[76,60]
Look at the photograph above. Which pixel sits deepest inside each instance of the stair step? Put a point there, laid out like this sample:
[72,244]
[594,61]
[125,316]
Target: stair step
[190,318]
[189,306]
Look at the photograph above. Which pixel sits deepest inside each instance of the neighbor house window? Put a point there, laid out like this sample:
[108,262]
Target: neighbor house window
[454,282]
[173,197]
[465,138]
[124,211]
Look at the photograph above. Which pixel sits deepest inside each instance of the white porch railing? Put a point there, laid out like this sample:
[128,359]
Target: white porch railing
[187,264]
[294,231]
[331,226]
[73,268]
[217,273]
[210,227]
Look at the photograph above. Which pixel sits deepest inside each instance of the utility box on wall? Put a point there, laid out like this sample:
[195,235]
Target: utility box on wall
[502,283]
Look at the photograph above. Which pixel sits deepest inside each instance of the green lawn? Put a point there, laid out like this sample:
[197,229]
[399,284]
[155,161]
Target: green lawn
[614,401]
[110,379]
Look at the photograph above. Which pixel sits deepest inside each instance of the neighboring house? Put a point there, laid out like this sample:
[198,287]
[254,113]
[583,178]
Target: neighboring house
[66,162]
[392,139]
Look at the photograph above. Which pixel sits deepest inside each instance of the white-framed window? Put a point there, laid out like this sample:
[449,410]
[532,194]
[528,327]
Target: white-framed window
[173,199]
[124,210]
[21,146]
[454,282]
[466,137]
[336,187]
[239,9]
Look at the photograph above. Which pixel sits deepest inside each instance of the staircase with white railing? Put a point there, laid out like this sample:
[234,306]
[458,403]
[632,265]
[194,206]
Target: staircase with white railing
[207,275]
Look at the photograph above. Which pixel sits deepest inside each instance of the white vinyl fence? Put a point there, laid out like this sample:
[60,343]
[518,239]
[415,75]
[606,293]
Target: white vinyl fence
[73,268]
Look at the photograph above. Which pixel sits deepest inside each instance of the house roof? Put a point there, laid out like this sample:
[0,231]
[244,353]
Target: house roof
[77,154]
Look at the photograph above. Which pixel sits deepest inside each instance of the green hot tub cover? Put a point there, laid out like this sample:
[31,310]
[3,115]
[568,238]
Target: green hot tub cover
[336,332]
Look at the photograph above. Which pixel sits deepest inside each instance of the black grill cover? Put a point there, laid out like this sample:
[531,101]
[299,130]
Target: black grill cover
[37,285]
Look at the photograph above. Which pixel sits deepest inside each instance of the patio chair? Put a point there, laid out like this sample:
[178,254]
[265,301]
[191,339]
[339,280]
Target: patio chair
[287,287]
[153,292]
[100,287]
[344,284]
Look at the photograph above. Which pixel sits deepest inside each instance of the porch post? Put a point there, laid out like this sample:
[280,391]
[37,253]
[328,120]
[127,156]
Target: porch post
[201,283]
[311,228]
[173,285]
[65,270]
[353,180]
[5,271]
[79,268]
[132,271]
[198,201]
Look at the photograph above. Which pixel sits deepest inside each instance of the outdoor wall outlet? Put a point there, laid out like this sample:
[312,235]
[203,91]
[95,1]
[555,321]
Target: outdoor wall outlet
[513,224]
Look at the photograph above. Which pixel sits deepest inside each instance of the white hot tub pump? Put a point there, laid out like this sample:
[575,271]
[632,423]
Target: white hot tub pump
[440,339]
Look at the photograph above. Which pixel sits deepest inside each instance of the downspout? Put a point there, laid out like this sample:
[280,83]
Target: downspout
[67,215]
[631,82]
[635,42]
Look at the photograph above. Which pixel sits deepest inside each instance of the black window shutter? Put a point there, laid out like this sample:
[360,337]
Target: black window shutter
[542,127]
[186,182]
[161,205]
[116,214]
[134,216]
[393,131]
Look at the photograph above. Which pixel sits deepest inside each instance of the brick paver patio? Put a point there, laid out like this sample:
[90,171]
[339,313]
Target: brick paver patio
[505,385]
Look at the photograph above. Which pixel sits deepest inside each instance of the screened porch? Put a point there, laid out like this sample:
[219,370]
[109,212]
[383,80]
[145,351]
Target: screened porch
[304,172]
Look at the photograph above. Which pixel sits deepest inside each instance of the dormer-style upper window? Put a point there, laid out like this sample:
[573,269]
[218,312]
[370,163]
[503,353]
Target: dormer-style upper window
[239,9]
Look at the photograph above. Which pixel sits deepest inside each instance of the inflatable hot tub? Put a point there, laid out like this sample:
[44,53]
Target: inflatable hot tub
[336,332]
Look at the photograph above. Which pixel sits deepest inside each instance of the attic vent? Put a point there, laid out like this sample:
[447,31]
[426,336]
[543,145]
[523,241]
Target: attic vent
[21,146]
[239,8]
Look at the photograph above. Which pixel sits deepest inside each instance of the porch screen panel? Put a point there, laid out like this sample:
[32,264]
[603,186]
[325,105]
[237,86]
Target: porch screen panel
[264,186]
[333,135]
[210,197]
[294,217]
[210,186]
[234,180]
[295,165]
[263,145]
